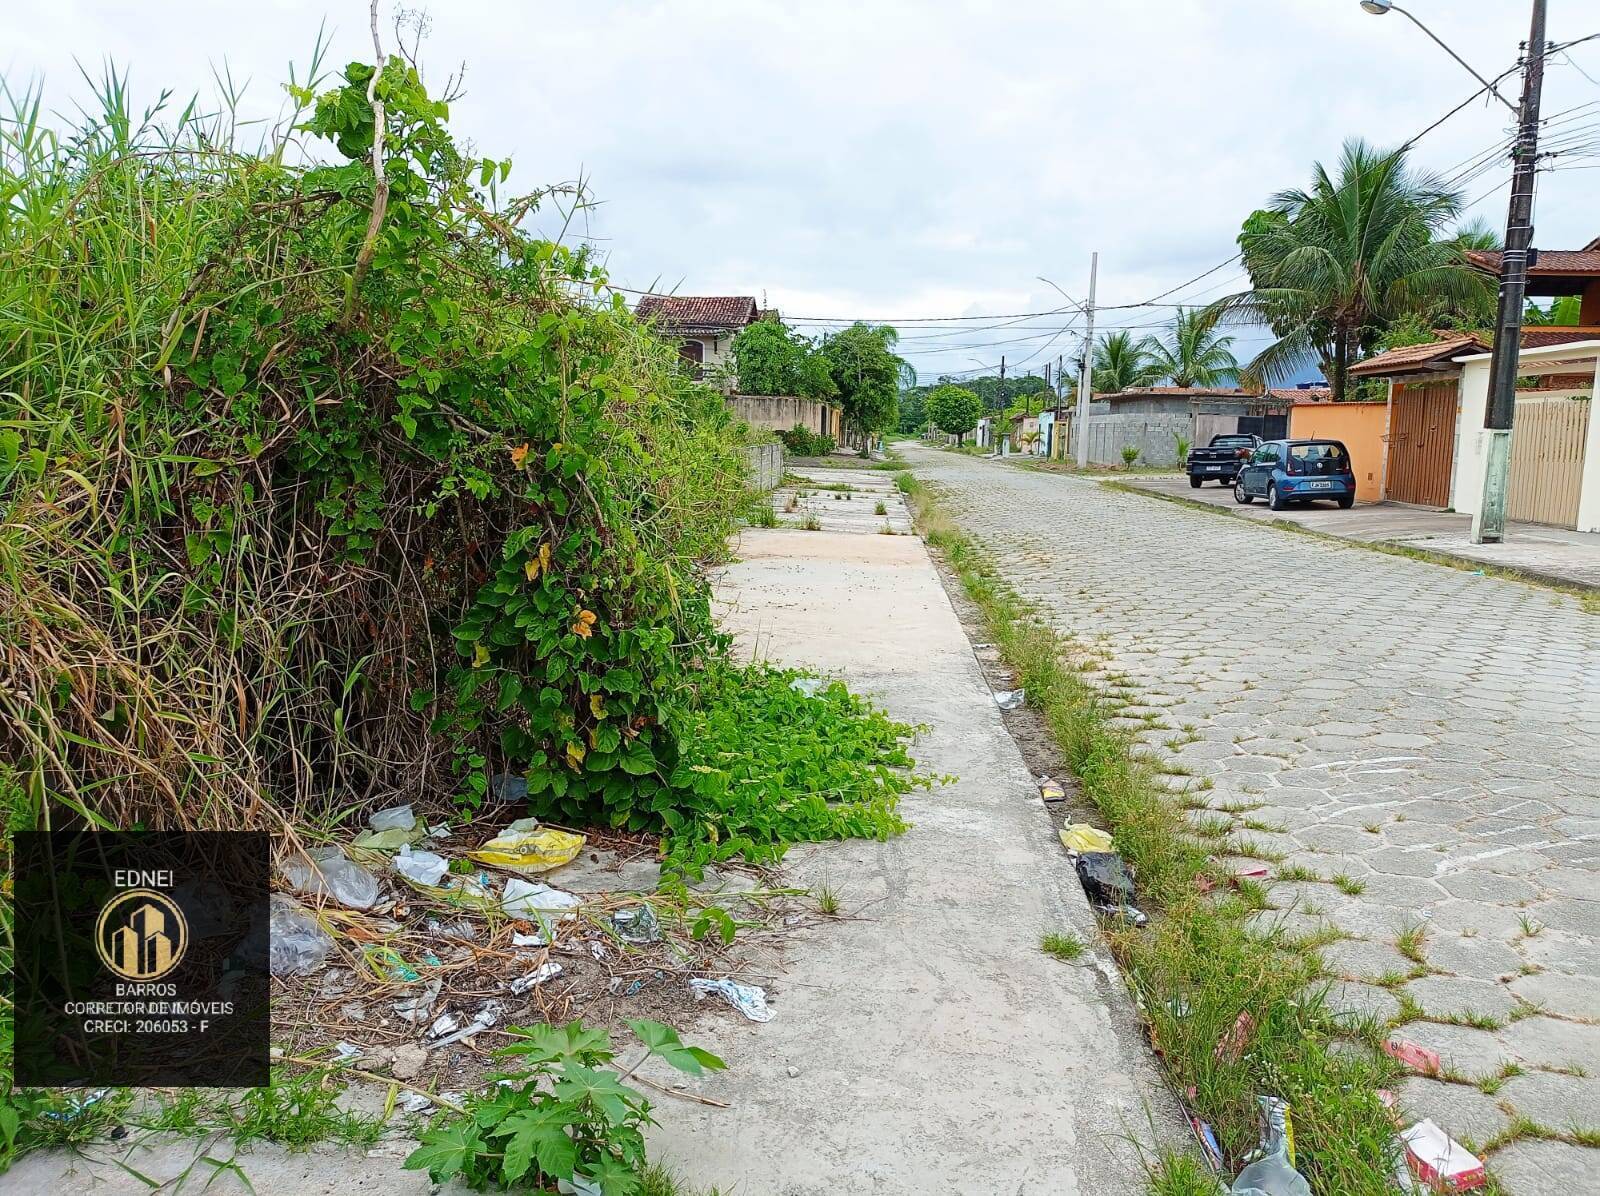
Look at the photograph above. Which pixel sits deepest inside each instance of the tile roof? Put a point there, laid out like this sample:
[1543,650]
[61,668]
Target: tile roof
[1302,397]
[702,315]
[1535,336]
[1551,261]
[1416,359]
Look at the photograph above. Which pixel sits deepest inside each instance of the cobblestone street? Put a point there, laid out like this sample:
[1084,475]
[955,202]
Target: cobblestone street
[1423,741]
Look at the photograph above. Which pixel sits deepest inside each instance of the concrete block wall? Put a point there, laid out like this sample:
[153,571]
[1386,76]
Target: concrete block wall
[764,466]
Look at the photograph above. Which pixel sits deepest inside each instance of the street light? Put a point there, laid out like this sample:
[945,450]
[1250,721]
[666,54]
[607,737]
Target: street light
[1379,8]
[1489,522]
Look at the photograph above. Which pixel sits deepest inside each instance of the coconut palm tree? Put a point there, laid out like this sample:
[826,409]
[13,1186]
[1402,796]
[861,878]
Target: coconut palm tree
[1121,362]
[1194,353]
[1332,265]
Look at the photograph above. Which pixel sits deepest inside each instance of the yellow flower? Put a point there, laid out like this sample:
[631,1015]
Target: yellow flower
[480,656]
[519,454]
[583,625]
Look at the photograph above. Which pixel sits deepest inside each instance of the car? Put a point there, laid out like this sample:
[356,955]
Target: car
[1219,461]
[1297,471]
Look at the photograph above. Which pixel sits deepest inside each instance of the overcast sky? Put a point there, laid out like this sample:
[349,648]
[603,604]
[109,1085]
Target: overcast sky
[881,159]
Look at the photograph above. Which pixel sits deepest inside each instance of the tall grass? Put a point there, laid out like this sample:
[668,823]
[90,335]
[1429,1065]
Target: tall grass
[219,593]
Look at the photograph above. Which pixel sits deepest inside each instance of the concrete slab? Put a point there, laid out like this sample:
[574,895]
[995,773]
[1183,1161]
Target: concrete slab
[934,1046]
[1554,554]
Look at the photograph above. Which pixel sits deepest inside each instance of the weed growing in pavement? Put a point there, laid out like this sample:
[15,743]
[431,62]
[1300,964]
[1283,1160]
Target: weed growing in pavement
[565,1114]
[762,514]
[1200,954]
[880,509]
[1066,946]
[1409,941]
[811,523]
[1349,885]
[827,900]
[1296,872]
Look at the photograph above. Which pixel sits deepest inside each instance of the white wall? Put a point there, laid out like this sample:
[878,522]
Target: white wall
[1466,487]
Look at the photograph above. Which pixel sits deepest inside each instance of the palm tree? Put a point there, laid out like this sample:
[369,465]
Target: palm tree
[1193,353]
[1121,362]
[1331,266]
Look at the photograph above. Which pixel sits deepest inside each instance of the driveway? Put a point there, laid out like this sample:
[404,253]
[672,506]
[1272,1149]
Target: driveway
[1568,557]
[1431,736]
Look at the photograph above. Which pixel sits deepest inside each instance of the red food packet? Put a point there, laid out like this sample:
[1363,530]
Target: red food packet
[1418,1058]
[1441,1162]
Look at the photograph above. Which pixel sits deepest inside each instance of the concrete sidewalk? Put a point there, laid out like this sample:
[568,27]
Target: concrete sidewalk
[1547,553]
[934,1047]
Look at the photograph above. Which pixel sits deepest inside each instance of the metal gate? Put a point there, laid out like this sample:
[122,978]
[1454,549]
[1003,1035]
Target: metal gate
[1422,435]
[1547,460]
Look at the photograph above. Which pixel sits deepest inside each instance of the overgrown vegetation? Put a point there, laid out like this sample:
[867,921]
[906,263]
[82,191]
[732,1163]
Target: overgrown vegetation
[803,442]
[326,486]
[1201,963]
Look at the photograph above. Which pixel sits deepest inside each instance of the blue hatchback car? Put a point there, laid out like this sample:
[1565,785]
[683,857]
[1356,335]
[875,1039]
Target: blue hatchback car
[1297,471]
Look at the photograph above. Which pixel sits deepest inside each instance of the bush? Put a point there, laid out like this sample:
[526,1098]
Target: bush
[803,442]
[311,497]
[1130,454]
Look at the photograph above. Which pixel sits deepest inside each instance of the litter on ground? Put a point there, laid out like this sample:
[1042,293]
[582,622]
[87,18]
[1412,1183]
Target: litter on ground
[1440,1161]
[748,999]
[527,847]
[547,971]
[327,872]
[1081,837]
[1418,1058]
[299,944]
[1010,699]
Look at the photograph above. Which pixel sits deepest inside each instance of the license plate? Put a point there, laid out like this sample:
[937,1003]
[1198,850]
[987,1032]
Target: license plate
[1322,485]
[1214,468]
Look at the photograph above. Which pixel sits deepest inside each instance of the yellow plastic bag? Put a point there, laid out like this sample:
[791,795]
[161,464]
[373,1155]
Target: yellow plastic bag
[1080,836]
[525,846]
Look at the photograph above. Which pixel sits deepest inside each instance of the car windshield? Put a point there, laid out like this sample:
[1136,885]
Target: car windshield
[1318,458]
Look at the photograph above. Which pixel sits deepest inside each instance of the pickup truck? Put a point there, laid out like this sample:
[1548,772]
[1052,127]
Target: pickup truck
[1220,460]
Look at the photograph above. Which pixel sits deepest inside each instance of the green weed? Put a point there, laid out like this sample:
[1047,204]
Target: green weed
[1064,946]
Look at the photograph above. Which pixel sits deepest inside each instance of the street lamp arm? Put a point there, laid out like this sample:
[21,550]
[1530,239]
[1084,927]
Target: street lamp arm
[1488,86]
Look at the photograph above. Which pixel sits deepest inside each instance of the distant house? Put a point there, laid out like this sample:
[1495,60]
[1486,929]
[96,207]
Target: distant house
[703,325]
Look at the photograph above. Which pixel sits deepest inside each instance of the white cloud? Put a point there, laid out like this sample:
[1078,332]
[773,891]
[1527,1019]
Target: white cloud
[897,158]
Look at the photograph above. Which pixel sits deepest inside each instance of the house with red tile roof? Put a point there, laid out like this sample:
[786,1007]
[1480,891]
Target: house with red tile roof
[702,325]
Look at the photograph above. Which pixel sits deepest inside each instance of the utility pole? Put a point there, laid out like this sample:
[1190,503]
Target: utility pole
[999,415]
[1489,524]
[1080,427]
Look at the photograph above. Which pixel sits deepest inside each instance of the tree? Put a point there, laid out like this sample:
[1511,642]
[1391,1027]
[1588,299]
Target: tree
[1121,362]
[1332,266]
[912,409]
[1193,353]
[771,360]
[867,375]
[953,409]
[1561,311]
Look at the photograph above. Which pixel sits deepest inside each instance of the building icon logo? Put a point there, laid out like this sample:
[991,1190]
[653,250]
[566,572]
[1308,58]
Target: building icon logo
[141,934]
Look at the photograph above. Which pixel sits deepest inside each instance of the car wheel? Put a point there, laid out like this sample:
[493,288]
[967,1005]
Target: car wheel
[1274,498]
[1239,494]
[1346,501]
[1195,481]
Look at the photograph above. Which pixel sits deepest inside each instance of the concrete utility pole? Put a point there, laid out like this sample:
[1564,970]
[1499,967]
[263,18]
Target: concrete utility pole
[1080,428]
[1489,524]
